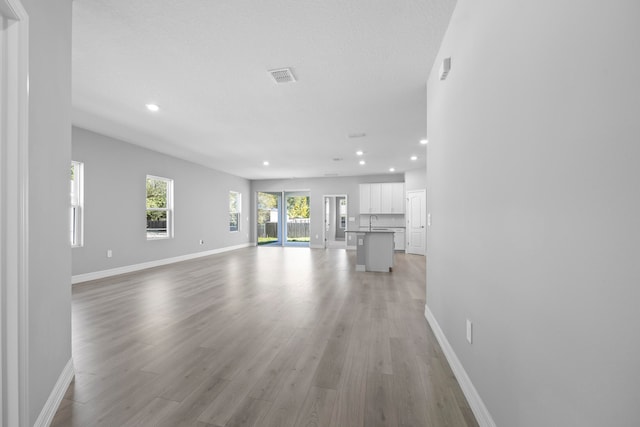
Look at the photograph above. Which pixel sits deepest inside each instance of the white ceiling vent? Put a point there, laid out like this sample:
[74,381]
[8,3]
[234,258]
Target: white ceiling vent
[282,75]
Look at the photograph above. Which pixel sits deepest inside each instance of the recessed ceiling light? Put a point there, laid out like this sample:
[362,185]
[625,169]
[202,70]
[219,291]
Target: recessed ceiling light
[362,162]
[424,141]
[266,163]
[392,169]
[152,107]
[359,153]
[414,157]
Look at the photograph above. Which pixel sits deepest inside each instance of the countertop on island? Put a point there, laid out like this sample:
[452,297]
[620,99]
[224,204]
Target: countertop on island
[366,230]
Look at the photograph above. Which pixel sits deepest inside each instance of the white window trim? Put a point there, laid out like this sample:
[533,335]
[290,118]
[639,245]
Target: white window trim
[238,211]
[77,221]
[168,209]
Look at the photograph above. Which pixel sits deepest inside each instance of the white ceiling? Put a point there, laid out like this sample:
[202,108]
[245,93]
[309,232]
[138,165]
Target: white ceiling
[361,66]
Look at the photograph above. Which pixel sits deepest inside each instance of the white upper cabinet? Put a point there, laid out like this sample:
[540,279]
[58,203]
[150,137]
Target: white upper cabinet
[376,197]
[397,197]
[383,198]
[365,198]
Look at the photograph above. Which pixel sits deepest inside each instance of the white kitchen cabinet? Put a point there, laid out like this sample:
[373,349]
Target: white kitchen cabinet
[397,198]
[386,197]
[376,198]
[365,198]
[399,239]
[382,198]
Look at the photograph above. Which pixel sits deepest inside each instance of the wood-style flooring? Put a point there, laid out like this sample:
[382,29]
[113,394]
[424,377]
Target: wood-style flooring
[269,337]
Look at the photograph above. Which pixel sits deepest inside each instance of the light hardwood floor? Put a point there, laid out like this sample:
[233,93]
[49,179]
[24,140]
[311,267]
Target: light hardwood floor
[260,337]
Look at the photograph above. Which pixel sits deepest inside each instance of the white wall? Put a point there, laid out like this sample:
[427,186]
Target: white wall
[415,179]
[319,187]
[533,172]
[114,188]
[49,156]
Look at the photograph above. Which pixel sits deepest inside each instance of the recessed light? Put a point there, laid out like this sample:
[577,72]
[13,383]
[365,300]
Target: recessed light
[359,153]
[424,141]
[266,163]
[152,107]
[362,162]
[414,157]
[392,169]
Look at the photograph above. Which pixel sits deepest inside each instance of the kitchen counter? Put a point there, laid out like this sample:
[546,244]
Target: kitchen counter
[374,249]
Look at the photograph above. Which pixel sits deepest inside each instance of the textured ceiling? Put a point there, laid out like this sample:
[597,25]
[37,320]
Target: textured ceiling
[361,67]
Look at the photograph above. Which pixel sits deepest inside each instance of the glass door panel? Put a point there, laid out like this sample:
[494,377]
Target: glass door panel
[269,212]
[297,218]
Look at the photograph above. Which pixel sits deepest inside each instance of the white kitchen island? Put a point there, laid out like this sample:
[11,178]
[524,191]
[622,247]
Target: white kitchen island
[374,250]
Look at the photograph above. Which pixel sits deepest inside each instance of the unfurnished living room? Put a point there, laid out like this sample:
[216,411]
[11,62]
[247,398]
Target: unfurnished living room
[319,213]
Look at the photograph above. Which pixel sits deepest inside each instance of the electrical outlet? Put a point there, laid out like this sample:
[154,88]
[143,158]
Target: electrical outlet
[109,253]
[469,331]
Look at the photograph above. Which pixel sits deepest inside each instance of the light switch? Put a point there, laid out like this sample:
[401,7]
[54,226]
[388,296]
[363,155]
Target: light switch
[469,331]
[428,220]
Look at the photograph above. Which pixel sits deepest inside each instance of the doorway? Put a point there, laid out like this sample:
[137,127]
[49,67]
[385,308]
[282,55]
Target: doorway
[283,218]
[335,221]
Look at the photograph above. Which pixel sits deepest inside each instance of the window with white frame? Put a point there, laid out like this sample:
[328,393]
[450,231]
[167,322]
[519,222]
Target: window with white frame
[235,209]
[77,204]
[343,213]
[159,208]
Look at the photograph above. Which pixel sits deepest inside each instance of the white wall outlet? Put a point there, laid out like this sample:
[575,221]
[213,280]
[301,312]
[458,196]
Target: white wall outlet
[469,331]
[109,253]
[201,242]
[317,236]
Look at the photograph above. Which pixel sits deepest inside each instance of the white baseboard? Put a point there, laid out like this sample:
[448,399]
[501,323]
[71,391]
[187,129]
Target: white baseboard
[59,389]
[316,246]
[475,401]
[142,266]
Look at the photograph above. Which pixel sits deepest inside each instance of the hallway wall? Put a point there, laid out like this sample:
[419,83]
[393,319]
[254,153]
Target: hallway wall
[533,193]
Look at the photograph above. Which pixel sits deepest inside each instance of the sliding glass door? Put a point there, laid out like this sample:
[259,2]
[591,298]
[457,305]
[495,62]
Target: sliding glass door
[297,218]
[269,229]
[283,218]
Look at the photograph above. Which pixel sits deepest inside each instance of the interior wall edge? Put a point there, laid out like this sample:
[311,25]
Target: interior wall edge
[480,410]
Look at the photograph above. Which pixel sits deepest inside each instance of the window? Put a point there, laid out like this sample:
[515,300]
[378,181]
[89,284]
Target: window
[77,202]
[159,208]
[235,209]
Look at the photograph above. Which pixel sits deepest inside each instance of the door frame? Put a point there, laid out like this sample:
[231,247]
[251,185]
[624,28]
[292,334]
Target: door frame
[14,213]
[324,217]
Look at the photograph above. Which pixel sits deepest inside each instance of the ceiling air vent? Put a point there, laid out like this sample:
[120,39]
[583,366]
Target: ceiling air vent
[282,75]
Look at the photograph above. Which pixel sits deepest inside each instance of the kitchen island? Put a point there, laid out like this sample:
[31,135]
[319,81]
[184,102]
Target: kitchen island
[374,250]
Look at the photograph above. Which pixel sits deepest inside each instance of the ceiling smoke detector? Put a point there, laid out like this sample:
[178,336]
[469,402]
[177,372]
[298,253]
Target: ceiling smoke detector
[282,75]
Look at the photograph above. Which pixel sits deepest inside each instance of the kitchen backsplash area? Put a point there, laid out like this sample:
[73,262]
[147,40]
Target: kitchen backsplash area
[383,220]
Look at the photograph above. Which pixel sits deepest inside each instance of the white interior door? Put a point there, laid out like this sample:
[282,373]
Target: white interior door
[416,215]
